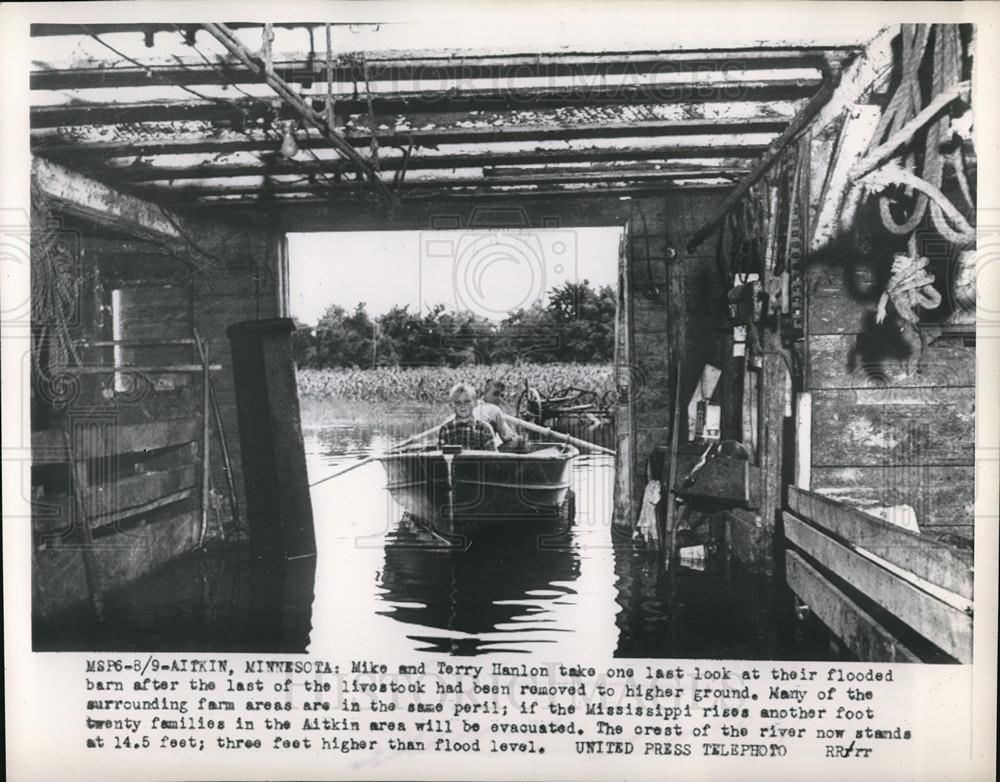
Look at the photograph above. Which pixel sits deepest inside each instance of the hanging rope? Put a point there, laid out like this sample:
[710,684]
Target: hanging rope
[906,103]
[55,291]
[910,286]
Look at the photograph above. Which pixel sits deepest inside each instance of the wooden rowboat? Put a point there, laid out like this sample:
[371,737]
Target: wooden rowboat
[481,485]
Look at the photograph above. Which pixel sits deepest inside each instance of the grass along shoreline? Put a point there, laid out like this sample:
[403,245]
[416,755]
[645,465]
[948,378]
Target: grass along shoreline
[411,396]
[431,384]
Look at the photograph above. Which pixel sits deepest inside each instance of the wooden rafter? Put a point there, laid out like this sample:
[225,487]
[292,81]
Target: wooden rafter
[310,116]
[146,173]
[430,137]
[96,202]
[184,193]
[304,69]
[457,100]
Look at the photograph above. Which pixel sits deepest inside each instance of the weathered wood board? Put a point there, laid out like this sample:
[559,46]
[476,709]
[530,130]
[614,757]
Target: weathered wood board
[58,579]
[943,565]
[893,427]
[941,624]
[942,497]
[48,446]
[846,619]
[835,362]
[111,502]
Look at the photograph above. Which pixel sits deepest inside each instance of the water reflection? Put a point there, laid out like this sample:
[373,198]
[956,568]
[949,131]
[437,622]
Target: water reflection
[502,580]
[217,600]
[382,584]
[523,589]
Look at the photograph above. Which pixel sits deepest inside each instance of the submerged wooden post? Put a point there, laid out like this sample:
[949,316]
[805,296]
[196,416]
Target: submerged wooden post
[279,510]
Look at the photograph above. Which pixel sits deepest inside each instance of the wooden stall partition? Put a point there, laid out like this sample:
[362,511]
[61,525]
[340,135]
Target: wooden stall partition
[864,577]
[112,528]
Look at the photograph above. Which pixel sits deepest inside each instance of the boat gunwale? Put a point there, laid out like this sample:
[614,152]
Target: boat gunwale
[542,455]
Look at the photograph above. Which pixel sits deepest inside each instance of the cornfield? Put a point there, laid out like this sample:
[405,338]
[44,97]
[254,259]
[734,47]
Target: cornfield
[431,384]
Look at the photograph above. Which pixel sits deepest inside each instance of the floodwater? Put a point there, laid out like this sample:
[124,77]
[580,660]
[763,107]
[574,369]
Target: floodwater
[381,582]
[560,590]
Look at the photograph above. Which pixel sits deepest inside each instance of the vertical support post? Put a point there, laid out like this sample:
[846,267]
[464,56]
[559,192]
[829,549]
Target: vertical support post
[206,425]
[803,440]
[78,477]
[773,402]
[675,433]
[625,512]
[329,110]
[279,508]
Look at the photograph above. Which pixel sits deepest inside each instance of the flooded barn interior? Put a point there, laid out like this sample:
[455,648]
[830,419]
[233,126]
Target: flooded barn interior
[794,332]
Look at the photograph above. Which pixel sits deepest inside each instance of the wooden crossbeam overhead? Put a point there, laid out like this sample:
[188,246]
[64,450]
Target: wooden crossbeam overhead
[434,194]
[91,150]
[145,173]
[585,176]
[314,118]
[96,202]
[53,30]
[307,69]
[393,103]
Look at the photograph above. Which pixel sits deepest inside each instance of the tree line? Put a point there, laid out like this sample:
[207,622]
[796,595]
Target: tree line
[576,324]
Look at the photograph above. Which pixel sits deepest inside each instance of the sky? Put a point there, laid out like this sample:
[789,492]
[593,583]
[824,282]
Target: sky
[487,272]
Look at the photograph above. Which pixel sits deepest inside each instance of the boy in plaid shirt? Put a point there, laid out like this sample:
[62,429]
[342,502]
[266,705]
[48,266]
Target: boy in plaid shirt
[464,429]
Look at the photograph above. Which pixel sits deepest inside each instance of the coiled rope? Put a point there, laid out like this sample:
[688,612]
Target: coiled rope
[55,290]
[906,103]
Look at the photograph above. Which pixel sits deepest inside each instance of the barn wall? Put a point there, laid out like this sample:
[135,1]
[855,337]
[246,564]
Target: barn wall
[222,274]
[885,431]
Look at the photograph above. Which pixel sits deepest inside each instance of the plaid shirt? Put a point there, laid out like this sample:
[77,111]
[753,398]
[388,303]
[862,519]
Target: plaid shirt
[471,433]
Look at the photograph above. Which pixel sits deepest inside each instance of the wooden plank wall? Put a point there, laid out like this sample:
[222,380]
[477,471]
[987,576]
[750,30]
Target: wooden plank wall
[882,433]
[226,272]
[241,284]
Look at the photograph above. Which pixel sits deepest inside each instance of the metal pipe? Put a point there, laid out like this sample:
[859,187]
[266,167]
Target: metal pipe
[774,149]
[220,432]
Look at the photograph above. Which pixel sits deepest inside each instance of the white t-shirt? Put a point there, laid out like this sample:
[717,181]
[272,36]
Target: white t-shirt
[494,416]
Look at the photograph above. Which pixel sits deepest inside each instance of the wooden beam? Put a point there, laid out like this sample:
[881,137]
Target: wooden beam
[300,68]
[53,29]
[159,192]
[457,100]
[130,496]
[121,560]
[855,135]
[58,148]
[941,624]
[888,148]
[854,626]
[867,73]
[461,194]
[148,173]
[944,565]
[312,117]
[97,202]
[47,445]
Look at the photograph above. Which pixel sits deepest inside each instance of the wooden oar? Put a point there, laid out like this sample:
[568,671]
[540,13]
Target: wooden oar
[556,435]
[369,459]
